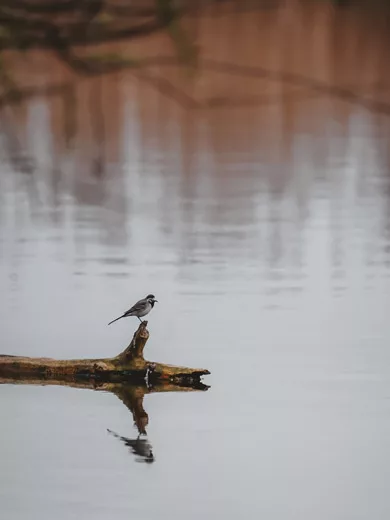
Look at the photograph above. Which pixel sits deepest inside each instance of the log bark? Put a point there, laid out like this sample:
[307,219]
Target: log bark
[130,365]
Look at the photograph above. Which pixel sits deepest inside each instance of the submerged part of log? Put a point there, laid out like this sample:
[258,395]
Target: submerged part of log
[129,365]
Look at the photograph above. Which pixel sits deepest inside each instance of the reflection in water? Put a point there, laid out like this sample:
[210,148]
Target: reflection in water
[140,447]
[112,151]
[131,396]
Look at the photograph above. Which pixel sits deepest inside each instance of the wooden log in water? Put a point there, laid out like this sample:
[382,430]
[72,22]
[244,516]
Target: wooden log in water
[129,365]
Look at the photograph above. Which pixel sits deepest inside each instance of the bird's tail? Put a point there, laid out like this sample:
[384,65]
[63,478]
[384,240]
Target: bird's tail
[116,319]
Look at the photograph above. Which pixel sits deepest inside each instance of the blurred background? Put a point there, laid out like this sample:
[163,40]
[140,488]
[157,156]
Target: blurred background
[232,158]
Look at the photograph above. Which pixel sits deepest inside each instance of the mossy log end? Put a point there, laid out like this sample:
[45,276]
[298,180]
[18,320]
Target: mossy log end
[129,365]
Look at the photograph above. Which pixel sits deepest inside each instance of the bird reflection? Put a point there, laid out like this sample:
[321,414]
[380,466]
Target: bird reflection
[133,398]
[141,448]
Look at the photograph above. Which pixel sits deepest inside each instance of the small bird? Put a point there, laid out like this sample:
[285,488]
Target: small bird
[141,308]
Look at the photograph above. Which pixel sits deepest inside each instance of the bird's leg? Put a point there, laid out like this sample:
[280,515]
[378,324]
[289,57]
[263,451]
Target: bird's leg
[139,319]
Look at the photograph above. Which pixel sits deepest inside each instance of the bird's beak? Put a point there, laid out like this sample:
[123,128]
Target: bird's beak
[155,301]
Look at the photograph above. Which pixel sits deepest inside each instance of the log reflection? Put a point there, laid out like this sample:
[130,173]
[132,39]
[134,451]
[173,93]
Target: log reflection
[132,397]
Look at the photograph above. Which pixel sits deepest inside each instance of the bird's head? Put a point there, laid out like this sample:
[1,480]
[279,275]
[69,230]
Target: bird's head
[151,299]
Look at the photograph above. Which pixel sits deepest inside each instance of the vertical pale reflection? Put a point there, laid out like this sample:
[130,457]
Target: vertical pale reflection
[229,165]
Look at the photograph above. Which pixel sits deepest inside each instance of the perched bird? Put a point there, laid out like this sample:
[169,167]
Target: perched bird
[141,308]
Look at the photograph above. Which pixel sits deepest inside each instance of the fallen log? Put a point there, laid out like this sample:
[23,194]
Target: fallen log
[129,365]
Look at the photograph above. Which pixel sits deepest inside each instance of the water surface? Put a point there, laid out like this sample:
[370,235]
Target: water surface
[260,220]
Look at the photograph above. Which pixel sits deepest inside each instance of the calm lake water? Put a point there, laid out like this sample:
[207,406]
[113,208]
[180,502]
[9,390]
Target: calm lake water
[260,219]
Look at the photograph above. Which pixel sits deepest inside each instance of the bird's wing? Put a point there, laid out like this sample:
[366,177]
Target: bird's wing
[139,306]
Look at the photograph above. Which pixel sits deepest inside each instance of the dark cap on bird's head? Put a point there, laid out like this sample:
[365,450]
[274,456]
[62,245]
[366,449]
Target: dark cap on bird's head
[151,297]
